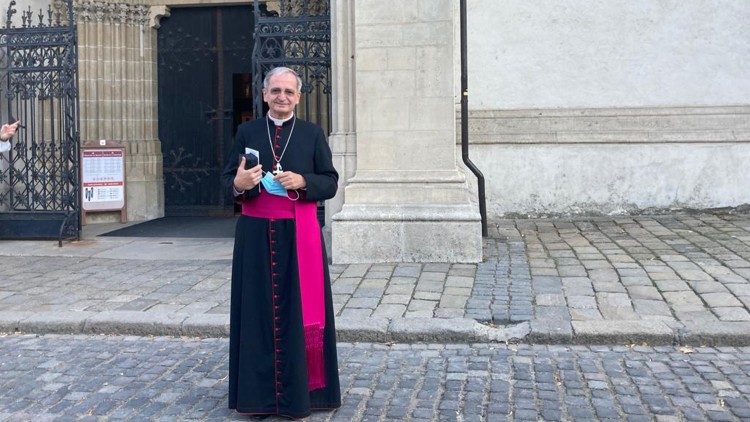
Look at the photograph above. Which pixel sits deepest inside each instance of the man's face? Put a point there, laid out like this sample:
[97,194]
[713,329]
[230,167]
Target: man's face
[281,95]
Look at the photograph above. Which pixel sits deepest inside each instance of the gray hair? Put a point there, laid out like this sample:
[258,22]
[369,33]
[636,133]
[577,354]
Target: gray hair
[280,71]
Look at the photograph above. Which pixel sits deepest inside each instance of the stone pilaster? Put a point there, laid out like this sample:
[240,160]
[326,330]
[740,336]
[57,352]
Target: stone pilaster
[342,138]
[407,200]
[118,94]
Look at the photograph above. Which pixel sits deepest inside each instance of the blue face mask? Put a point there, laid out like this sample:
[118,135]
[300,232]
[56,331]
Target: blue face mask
[272,186]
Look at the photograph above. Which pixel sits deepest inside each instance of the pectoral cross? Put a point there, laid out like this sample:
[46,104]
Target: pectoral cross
[278,170]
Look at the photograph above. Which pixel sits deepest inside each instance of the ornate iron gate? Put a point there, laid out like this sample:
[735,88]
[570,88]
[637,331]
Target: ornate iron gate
[39,176]
[297,36]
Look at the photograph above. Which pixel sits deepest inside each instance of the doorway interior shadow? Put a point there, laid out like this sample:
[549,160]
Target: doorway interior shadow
[183,227]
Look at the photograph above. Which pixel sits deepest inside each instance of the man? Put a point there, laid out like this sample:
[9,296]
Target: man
[282,348]
[6,133]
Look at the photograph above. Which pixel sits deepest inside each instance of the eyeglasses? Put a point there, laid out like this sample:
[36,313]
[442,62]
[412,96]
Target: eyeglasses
[279,91]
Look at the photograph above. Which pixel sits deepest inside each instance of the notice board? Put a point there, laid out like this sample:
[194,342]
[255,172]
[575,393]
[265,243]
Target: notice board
[103,178]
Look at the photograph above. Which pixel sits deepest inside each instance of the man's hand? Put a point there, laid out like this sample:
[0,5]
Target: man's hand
[9,130]
[291,180]
[247,179]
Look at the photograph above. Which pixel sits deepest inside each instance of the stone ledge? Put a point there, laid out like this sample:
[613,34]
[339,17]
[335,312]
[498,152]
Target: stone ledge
[55,322]
[715,333]
[408,213]
[382,330]
[135,323]
[11,321]
[206,325]
[550,332]
[622,332]
[369,329]
[657,125]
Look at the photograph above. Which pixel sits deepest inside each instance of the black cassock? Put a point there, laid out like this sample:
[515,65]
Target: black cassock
[267,364]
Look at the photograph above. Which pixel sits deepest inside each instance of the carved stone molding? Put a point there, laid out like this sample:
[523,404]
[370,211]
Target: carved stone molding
[643,125]
[155,15]
[115,13]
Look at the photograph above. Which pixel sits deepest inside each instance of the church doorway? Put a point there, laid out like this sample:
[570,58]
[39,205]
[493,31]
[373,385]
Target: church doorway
[205,92]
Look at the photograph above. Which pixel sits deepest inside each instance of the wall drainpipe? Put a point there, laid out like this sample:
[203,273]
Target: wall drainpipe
[465,121]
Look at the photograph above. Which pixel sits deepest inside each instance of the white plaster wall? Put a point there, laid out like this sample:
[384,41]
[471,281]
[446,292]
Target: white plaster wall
[615,53]
[612,179]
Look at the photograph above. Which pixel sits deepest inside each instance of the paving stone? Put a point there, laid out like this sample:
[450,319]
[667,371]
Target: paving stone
[447,312]
[456,291]
[732,313]
[651,307]
[392,299]
[644,292]
[613,299]
[407,270]
[702,287]
[618,313]
[354,313]
[355,270]
[431,296]
[584,314]
[363,302]
[375,283]
[671,285]
[427,286]
[572,271]
[610,287]
[682,298]
[459,281]
[720,299]
[451,301]
[422,305]
[544,272]
[390,311]
[433,276]
[550,300]
[636,281]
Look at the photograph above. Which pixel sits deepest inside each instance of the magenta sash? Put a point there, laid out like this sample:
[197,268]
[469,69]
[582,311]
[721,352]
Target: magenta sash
[310,265]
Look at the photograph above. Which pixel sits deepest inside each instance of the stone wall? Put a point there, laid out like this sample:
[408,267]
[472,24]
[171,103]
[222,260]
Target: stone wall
[611,161]
[118,94]
[610,107]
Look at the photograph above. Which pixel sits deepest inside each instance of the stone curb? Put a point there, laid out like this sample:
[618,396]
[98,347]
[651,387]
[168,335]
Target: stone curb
[715,333]
[383,330]
[623,332]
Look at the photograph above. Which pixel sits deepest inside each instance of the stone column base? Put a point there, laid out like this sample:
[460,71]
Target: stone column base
[145,200]
[407,233]
[145,181]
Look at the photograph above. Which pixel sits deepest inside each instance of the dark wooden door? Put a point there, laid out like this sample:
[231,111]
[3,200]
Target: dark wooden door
[204,58]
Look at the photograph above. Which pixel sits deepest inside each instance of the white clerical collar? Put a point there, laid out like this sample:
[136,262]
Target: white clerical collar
[279,122]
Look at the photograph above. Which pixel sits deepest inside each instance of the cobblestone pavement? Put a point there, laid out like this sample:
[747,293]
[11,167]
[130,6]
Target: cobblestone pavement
[660,279]
[161,378]
[97,284]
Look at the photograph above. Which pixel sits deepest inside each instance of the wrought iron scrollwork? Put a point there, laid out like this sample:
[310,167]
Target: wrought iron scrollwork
[39,176]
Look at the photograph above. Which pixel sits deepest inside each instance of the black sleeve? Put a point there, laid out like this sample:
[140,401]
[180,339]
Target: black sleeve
[230,168]
[323,182]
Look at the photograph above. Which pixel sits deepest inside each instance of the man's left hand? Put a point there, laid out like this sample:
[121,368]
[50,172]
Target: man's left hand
[291,180]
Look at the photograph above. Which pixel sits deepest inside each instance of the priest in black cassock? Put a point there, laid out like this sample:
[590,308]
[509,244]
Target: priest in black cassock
[282,342]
